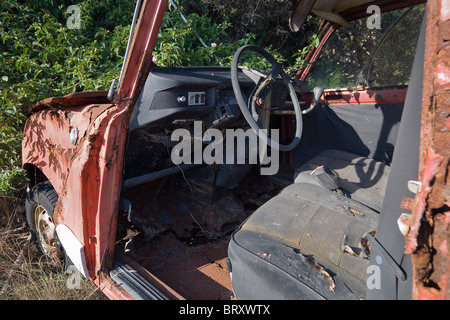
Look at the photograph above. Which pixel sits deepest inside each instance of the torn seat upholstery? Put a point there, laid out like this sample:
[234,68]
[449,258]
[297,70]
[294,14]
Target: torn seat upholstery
[359,178]
[309,242]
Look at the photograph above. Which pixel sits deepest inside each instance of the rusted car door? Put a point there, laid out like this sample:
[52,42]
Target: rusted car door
[77,142]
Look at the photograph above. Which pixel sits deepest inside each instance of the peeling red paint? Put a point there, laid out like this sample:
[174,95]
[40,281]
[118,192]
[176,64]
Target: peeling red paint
[73,99]
[87,172]
[379,95]
[445,10]
[442,74]
[431,166]
[139,61]
[111,289]
[429,236]
[444,247]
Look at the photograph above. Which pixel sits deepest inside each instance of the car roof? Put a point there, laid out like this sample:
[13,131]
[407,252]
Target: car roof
[342,11]
[338,5]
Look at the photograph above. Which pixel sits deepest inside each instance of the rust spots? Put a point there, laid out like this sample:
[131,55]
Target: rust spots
[396,94]
[71,100]
[429,235]
[108,163]
[47,143]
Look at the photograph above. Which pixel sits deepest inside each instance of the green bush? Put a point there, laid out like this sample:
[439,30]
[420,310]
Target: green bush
[202,41]
[41,56]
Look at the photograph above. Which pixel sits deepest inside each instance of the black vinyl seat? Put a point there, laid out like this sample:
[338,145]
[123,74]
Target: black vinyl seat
[309,241]
[359,178]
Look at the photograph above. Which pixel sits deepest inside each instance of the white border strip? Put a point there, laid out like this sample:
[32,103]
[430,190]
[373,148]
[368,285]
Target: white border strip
[73,248]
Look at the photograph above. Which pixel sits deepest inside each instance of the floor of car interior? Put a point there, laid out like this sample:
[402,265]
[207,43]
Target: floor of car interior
[195,271]
[186,253]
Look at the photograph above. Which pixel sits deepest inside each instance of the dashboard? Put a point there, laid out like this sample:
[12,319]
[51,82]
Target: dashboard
[176,96]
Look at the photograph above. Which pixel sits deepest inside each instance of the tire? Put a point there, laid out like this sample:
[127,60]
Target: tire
[39,206]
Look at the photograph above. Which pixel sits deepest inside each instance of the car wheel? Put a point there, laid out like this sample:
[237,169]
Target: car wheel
[39,205]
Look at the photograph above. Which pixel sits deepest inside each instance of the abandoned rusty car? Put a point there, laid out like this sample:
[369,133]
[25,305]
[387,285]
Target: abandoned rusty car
[335,188]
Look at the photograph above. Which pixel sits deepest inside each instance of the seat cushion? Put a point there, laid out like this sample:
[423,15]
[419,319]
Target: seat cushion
[311,238]
[309,241]
[362,179]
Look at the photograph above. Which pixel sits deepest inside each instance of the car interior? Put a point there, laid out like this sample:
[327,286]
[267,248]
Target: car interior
[312,230]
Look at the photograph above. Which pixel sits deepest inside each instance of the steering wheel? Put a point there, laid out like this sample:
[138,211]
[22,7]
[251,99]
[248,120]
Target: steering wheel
[262,92]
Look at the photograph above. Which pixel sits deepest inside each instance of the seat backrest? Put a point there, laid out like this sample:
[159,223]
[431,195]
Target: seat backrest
[404,167]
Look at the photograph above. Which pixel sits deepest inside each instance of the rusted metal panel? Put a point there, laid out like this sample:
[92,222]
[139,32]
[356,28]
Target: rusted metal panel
[429,236]
[312,56]
[111,289]
[73,99]
[46,142]
[89,197]
[139,62]
[379,95]
[87,171]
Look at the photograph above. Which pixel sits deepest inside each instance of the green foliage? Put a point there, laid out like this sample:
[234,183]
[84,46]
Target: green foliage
[41,57]
[180,43]
[357,55]
[300,55]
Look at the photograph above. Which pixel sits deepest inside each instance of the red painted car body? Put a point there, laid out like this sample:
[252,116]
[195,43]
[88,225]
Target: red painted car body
[87,175]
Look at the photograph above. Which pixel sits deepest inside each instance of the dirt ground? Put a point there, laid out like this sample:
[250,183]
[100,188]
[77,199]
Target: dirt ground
[197,272]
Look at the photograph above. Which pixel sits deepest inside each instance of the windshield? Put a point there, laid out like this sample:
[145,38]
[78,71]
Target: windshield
[208,33]
[361,56]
